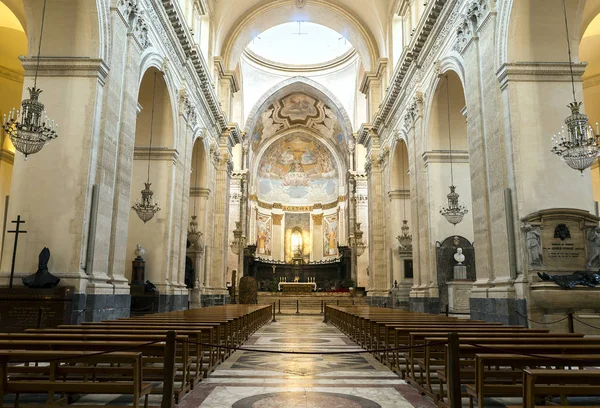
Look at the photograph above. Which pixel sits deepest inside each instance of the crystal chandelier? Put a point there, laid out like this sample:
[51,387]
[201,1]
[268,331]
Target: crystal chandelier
[577,145]
[404,239]
[147,206]
[453,211]
[34,130]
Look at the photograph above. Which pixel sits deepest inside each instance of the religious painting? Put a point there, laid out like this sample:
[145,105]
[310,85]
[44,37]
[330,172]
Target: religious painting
[263,234]
[299,107]
[297,170]
[330,235]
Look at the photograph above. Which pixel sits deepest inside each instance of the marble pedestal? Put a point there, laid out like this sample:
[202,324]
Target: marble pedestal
[459,292]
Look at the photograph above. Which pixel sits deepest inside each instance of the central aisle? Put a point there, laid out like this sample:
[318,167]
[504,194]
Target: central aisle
[265,380]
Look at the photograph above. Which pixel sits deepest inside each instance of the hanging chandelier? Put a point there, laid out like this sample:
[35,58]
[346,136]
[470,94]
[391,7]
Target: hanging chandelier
[358,240]
[453,211]
[577,145]
[34,130]
[193,233]
[405,238]
[239,240]
[146,207]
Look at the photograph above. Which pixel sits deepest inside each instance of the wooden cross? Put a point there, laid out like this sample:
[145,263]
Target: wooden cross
[17,231]
[299,33]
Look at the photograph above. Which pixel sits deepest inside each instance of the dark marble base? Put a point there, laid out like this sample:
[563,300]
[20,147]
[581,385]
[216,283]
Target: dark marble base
[379,301]
[23,308]
[214,300]
[506,311]
[93,308]
[170,303]
[424,305]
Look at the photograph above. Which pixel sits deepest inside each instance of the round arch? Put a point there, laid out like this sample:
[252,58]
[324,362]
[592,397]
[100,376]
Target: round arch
[299,84]
[399,165]
[323,12]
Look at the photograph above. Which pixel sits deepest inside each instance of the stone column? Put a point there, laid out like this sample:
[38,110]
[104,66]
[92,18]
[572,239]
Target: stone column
[317,237]
[277,237]
[202,197]
[220,216]
[373,84]
[377,219]
[396,198]
[362,217]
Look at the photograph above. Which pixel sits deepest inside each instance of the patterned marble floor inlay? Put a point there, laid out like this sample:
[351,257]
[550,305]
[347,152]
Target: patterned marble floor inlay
[251,379]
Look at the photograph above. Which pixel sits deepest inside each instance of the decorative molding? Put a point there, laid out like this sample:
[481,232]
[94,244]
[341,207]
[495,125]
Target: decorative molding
[587,82]
[538,72]
[375,75]
[157,153]
[139,30]
[277,218]
[7,156]
[127,9]
[317,219]
[201,192]
[231,76]
[300,3]
[444,156]
[399,194]
[11,74]
[66,67]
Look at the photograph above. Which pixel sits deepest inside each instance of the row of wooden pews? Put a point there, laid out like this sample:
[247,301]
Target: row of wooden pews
[125,356]
[486,360]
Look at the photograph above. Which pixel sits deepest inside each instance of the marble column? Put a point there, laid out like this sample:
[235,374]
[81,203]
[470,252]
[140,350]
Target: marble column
[317,237]
[377,220]
[277,237]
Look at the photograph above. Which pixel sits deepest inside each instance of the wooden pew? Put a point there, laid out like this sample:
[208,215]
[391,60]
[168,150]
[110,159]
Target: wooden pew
[65,378]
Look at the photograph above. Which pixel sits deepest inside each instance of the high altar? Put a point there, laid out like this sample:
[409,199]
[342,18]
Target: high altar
[323,275]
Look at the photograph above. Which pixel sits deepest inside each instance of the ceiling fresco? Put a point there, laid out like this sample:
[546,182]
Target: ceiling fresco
[297,169]
[296,110]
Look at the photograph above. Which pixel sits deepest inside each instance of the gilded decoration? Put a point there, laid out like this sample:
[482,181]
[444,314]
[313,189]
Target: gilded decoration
[277,218]
[296,109]
[297,170]
[317,219]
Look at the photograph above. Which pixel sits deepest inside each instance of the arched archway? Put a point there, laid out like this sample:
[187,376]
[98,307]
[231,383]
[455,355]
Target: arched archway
[154,126]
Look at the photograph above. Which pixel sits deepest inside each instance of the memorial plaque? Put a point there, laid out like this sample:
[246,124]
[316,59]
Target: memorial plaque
[459,294]
[564,246]
[23,308]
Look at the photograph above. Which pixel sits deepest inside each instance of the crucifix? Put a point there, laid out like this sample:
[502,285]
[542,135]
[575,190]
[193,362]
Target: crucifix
[299,33]
[16,231]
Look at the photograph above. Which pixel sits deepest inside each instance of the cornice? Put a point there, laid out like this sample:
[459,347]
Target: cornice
[444,156]
[538,72]
[185,49]
[11,74]
[231,76]
[66,67]
[342,60]
[399,194]
[591,81]
[375,75]
[199,192]
[156,153]
[7,156]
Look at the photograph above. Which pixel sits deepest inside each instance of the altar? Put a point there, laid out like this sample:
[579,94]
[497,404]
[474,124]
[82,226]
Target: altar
[297,287]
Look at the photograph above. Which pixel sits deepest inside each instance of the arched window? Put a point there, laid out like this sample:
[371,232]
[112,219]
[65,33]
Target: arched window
[297,243]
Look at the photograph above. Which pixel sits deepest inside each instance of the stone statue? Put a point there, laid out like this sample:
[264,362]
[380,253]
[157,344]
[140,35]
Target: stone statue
[42,279]
[594,248]
[459,256]
[590,279]
[139,251]
[534,245]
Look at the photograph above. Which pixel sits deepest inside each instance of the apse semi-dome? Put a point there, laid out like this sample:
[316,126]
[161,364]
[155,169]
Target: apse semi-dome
[300,43]
[297,169]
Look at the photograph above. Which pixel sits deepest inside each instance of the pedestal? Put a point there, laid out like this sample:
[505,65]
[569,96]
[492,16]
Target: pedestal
[459,293]
[143,302]
[138,271]
[459,272]
[23,308]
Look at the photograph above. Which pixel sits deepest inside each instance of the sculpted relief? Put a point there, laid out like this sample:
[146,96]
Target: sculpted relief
[297,169]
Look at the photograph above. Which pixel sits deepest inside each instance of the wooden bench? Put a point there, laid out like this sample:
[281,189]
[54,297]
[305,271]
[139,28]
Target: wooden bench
[563,383]
[65,378]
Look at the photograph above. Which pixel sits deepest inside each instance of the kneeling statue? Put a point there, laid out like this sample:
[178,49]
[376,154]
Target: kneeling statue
[590,279]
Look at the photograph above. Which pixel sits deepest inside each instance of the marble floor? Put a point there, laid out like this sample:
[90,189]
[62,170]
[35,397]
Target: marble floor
[263,380]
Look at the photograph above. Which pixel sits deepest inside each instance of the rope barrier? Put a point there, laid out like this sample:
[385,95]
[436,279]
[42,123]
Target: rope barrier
[310,352]
[586,324]
[542,356]
[536,322]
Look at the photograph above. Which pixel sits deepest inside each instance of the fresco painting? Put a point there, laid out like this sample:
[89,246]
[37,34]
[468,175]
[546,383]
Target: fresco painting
[297,169]
[330,236]
[263,234]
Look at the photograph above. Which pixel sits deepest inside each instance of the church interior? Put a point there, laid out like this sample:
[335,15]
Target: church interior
[300,203]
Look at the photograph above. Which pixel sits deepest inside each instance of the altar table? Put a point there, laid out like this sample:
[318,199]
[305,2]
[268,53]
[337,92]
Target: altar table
[296,287]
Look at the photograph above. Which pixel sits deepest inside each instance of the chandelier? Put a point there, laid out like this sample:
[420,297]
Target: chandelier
[453,211]
[147,206]
[404,239]
[577,145]
[34,130]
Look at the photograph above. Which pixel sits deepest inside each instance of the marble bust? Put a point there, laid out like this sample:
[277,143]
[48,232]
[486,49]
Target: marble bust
[458,256]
